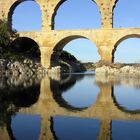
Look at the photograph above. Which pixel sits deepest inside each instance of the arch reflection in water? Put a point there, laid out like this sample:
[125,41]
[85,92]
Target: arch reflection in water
[127,98]
[78,93]
[72,128]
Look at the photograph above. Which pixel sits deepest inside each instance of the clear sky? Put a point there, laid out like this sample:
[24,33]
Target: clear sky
[84,14]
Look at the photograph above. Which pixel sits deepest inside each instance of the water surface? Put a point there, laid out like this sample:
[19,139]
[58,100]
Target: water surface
[70,107]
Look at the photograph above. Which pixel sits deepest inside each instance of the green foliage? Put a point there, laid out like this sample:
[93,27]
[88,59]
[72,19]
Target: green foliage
[25,46]
[66,56]
[18,49]
[6,35]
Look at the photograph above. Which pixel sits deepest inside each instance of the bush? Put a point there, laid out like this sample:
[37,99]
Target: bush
[6,35]
[66,56]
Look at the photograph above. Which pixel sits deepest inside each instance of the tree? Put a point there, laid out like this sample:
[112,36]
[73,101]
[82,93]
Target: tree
[6,35]
[66,56]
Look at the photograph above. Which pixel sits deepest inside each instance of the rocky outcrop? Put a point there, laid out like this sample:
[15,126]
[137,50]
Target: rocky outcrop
[26,67]
[18,72]
[127,70]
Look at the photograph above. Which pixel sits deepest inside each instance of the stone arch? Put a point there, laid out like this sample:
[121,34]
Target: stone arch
[61,2]
[25,45]
[121,40]
[13,7]
[66,40]
[61,44]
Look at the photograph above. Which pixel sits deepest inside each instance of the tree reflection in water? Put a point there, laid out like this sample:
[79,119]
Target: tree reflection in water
[13,97]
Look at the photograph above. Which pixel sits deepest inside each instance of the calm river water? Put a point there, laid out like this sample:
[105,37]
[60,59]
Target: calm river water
[73,107]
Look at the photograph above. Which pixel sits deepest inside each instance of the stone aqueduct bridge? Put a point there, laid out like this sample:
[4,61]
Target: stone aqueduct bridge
[105,110]
[106,40]
[51,42]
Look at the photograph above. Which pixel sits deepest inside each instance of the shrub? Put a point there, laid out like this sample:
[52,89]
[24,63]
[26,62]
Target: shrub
[6,35]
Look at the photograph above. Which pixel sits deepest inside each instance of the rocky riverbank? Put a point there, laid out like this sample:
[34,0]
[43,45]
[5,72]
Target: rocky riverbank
[25,72]
[31,68]
[129,70]
[25,67]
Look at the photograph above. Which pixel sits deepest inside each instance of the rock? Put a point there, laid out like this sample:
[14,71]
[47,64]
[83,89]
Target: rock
[25,68]
[131,71]
[102,70]
[3,64]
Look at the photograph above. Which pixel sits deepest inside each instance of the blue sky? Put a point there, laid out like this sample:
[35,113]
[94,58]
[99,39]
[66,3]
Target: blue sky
[84,14]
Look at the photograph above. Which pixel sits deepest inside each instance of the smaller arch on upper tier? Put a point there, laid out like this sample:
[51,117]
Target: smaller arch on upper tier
[14,6]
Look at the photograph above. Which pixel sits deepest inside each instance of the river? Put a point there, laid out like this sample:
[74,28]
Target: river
[79,106]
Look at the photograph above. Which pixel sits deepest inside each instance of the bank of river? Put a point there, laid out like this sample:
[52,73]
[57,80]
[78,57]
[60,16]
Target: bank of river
[29,68]
[118,69]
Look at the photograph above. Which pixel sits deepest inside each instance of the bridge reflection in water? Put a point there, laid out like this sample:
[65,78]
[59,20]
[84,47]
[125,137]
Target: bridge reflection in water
[46,102]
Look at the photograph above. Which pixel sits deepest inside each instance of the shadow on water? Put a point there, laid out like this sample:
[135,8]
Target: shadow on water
[13,97]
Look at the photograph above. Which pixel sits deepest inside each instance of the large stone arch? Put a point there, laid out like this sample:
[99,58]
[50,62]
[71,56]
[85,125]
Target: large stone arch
[58,5]
[25,44]
[61,44]
[121,40]
[13,7]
